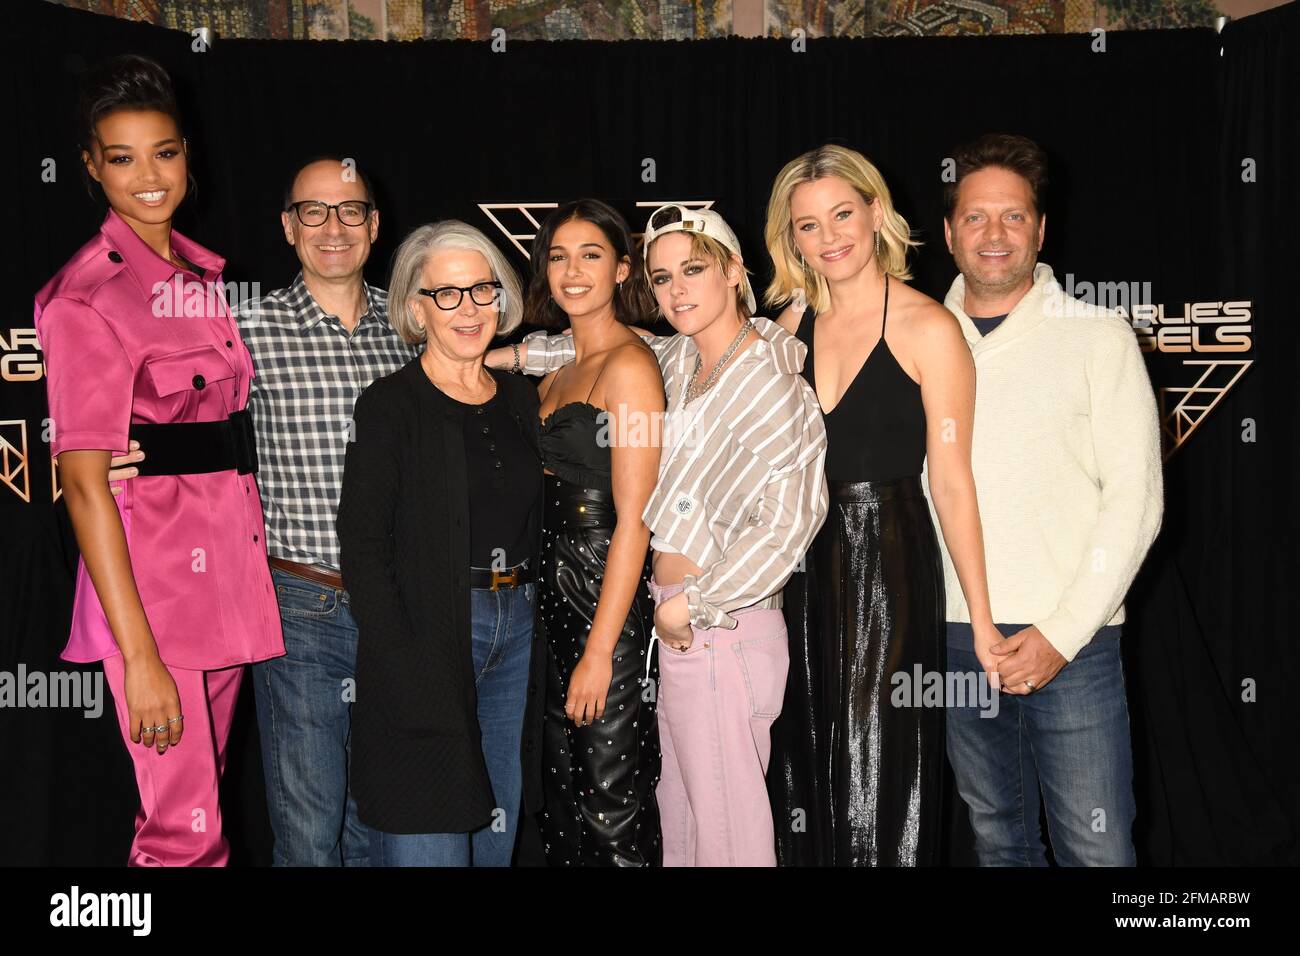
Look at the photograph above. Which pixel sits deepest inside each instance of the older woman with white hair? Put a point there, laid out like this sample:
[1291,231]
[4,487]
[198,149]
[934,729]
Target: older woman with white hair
[439,526]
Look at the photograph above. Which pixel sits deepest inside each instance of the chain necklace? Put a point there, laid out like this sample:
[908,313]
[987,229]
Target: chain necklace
[694,390]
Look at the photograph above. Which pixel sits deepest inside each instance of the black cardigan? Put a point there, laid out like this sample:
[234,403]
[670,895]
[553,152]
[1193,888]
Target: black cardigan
[403,526]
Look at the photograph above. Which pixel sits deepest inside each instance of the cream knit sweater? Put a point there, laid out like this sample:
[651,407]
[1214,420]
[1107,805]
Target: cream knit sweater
[1066,456]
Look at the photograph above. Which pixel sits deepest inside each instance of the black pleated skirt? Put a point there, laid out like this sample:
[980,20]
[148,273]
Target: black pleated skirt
[854,779]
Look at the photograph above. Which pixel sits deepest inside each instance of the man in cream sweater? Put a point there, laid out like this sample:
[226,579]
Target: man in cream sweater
[1066,457]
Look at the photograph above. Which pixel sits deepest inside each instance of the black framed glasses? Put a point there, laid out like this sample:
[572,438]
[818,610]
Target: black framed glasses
[448,297]
[312,212]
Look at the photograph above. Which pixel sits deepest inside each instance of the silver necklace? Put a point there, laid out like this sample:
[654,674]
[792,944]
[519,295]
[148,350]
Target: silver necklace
[693,389]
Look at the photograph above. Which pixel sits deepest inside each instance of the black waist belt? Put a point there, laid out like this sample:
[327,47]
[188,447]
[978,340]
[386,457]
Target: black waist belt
[565,504]
[196,448]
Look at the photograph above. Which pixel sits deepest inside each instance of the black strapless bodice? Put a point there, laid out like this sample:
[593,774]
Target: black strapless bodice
[575,445]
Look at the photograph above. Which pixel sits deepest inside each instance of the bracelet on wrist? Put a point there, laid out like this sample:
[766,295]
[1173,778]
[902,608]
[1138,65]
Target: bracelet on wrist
[516,368]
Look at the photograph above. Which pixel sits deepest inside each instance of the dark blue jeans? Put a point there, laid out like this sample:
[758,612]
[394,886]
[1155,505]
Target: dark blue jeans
[1071,738]
[304,718]
[502,636]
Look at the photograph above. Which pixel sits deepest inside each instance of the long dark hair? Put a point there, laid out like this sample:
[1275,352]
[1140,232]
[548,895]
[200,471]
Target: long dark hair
[127,82]
[633,303]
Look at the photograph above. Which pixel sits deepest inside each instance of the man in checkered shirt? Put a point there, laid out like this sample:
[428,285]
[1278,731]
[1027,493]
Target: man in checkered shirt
[316,345]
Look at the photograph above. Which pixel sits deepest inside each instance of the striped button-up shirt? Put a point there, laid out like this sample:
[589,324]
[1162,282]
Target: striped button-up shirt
[308,372]
[742,488]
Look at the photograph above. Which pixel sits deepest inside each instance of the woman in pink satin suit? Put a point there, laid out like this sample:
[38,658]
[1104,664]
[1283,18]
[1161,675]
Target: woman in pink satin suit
[173,592]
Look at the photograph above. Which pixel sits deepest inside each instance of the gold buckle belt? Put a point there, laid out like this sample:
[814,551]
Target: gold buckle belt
[483,579]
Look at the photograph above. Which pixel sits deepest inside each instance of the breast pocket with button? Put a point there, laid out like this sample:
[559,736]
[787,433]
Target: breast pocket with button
[190,383]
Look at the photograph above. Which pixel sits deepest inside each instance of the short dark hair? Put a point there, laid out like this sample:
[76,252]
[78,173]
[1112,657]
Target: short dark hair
[632,301]
[127,82]
[362,178]
[1019,154]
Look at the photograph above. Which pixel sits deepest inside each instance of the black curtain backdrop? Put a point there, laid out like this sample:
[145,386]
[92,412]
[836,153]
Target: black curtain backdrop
[1147,141]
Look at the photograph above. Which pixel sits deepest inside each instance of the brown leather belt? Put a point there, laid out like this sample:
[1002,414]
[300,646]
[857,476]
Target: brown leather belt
[309,572]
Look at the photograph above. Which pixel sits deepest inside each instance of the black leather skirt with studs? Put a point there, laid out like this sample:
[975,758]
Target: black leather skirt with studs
[598,779]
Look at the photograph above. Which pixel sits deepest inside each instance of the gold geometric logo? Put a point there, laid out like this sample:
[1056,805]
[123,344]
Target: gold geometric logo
[13,458]
[524,210]
[517,221]
[1183,409]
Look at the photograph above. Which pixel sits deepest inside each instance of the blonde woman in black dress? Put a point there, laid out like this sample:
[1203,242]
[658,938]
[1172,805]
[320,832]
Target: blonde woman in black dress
[856,780]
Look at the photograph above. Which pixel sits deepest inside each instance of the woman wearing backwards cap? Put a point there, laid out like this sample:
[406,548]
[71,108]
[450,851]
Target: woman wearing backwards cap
[740,495]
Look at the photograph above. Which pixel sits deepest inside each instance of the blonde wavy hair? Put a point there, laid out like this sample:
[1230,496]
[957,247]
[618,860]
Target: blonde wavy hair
[790,272]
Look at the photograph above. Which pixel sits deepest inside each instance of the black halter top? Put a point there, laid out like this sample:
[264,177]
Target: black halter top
[877,431]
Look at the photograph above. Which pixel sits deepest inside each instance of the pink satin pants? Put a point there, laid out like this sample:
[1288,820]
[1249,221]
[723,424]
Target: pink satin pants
[179,820]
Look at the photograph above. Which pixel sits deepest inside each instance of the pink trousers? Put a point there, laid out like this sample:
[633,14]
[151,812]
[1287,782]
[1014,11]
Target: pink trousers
[179,820]
[717,701]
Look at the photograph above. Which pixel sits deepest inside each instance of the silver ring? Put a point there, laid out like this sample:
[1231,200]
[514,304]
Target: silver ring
[176,719]
[1029,684]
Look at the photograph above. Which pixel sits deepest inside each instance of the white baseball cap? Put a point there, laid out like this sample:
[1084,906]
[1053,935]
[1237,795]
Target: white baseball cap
[704,221]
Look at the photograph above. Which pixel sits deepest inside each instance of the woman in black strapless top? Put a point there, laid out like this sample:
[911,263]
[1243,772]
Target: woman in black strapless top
[600,759]
[599,777]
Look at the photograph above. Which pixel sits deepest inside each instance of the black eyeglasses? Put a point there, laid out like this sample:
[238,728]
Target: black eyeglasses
[312,212]
[448,297]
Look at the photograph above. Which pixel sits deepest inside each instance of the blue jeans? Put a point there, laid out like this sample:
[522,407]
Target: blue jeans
[1071,738]
[304,718]
[502,638]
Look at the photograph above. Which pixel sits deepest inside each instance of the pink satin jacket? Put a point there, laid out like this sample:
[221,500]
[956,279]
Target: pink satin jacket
[130,338]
